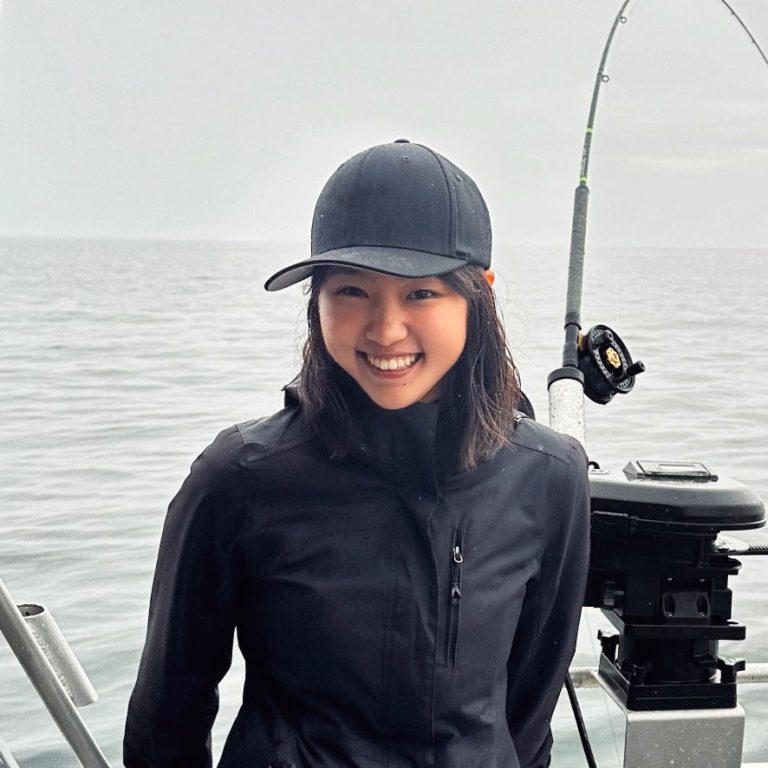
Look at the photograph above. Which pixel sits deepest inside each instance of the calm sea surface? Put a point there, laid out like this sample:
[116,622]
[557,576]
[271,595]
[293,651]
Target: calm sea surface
[120,361]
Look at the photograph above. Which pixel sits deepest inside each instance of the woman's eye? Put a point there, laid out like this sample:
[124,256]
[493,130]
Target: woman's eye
[422,293]
[350,290]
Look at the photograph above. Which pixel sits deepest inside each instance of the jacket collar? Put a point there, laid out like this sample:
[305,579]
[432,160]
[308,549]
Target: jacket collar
[410,447]
[399,445]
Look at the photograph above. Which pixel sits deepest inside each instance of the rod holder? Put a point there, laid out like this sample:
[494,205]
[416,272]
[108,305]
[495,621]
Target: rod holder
[59,653]
[47,684]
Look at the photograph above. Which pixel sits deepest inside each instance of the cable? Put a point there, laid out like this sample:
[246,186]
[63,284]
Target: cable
[756,549]
[587,747]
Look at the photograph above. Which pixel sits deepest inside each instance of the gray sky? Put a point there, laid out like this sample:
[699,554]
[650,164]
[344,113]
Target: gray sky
[222,119]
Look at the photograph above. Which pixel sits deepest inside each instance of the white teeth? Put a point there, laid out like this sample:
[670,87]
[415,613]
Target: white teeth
[392,363]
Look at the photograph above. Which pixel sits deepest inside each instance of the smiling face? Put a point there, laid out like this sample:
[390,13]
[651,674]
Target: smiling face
[396,337]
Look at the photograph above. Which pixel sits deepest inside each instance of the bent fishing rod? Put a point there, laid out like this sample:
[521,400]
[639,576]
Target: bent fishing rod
[596,363]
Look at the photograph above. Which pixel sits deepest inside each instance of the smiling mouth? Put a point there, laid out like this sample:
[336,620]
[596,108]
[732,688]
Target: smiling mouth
[399,363]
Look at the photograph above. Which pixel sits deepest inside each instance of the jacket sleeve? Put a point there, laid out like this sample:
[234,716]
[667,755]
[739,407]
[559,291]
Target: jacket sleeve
[188,646]
[546,636]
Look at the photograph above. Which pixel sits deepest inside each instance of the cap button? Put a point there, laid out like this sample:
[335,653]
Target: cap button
[402,141]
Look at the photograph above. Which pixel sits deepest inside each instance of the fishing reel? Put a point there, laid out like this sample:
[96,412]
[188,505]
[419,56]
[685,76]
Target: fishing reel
[605,362]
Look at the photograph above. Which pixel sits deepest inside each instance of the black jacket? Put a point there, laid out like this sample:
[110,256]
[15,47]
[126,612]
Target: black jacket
[391,611]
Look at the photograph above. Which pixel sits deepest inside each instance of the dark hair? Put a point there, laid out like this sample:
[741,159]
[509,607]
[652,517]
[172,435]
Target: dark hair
[480,393]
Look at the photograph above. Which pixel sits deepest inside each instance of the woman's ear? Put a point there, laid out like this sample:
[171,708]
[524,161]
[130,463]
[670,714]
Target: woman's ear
[490,276]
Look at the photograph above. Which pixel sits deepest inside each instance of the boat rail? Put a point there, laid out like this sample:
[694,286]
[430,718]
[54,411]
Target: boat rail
[589,677]
[51,685]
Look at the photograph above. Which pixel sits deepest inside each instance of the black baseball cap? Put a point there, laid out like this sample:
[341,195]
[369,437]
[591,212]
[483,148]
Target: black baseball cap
[401,209]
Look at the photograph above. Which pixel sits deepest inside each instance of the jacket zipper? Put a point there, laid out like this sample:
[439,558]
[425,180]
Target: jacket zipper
[457,561]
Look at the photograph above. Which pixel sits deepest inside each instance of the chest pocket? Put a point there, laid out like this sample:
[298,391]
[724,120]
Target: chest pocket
[453,620]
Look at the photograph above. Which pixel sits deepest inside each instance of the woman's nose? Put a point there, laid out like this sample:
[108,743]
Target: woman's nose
[387,325]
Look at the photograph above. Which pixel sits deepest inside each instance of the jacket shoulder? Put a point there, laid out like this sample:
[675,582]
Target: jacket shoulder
[273,434]
[532,436]
[251,441]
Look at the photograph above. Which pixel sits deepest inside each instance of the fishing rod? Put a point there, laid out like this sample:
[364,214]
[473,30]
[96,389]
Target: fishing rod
[746,29]
[596,363]
[581,198]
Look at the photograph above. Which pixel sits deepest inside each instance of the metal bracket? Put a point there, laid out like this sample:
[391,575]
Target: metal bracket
[677,738]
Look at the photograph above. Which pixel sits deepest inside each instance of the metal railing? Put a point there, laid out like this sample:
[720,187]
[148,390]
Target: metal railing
[588,677]
[50,686]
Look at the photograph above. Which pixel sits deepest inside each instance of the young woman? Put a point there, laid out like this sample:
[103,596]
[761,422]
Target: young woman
[401,552]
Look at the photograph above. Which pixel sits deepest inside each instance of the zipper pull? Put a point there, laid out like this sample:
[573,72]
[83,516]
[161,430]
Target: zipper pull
[458,559]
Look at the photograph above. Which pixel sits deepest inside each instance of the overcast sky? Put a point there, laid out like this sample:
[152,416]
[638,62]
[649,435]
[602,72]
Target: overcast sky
[222,119]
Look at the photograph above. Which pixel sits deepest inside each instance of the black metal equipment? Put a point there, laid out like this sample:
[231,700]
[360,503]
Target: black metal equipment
[660,574]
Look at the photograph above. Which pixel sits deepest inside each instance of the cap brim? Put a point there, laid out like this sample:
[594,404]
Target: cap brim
[400,262]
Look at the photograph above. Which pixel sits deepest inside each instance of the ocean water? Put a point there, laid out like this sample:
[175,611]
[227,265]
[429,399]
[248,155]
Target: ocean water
[119,362]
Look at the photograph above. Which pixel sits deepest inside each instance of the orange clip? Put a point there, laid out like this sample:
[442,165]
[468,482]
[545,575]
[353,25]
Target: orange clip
[490,276]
